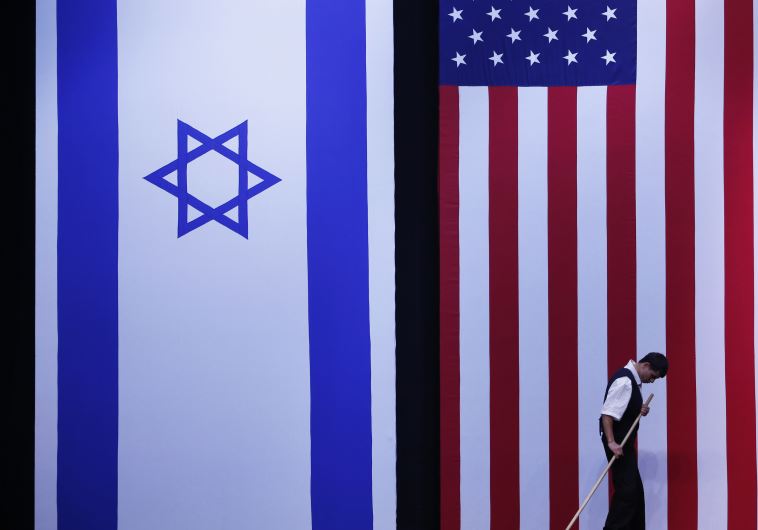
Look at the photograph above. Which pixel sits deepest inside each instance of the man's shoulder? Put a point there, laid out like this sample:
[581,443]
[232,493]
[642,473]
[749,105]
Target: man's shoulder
[620,382]
[622,373]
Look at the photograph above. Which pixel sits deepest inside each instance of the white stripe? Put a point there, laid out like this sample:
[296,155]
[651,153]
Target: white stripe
[46,288]
[534,431]
[709,264]
[592,255]
[755,208]
[474,286]
[651,248]
[214,416]
[381,224]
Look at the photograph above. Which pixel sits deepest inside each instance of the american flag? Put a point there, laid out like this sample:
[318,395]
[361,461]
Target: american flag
[596,203]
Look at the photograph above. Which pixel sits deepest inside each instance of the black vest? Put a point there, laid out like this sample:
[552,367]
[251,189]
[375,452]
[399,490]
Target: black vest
[621,427]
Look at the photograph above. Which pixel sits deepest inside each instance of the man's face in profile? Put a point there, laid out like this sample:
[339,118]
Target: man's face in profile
[647,373]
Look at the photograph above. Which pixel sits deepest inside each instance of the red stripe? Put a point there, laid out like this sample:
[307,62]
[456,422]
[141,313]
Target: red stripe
[738,264]
[504,365]
[450,397]
[562,310]
[622,229]
[680,264]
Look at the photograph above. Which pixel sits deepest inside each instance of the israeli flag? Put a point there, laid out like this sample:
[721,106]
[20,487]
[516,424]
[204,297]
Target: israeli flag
[215,265]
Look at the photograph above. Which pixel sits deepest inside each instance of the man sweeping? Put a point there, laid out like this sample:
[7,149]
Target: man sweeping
[622,404]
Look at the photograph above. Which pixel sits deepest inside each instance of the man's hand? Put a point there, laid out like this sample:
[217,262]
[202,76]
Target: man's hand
[645,410]
[616,449]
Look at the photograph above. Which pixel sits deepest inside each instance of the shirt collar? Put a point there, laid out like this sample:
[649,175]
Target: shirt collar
[630,366]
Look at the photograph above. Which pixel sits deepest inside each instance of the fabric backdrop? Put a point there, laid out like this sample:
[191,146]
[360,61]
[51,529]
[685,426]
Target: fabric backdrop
[215,305]
[215,301]
[596,203]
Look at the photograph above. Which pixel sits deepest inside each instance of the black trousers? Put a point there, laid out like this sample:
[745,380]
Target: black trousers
[627,509]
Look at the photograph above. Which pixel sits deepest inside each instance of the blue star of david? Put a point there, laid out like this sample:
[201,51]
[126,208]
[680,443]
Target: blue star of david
[186,199]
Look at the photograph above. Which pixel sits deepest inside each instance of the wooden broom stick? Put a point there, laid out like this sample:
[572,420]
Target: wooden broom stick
[605,471]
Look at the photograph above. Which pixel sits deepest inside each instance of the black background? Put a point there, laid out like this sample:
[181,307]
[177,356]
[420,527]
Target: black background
[417,264]
[17,192]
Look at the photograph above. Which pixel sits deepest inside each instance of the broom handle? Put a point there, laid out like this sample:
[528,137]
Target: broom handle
[605,471]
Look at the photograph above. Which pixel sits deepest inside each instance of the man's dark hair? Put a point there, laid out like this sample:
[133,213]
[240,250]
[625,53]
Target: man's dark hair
[657,361]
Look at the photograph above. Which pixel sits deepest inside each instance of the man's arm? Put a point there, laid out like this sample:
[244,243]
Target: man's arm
[615,448]
[614,406]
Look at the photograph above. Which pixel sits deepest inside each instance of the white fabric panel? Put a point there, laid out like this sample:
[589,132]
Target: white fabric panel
[46,266]
[381,237]
[592,255]
[755,202]
[651,248]
[474,308]
[534,431]
[709,264]
[213,331]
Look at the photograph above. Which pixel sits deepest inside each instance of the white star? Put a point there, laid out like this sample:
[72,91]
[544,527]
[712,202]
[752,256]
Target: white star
[590,34]
[533,58]
[571,57]
[494,13]
[570,13]
[609,13]
[551,35]
[609,57]
[514,35]
[496,58]
[532,13]
[456,14]
[459,59]
[476,36]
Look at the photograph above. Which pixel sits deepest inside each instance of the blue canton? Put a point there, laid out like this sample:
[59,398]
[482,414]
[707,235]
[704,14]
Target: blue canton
[186,199]
[538,42]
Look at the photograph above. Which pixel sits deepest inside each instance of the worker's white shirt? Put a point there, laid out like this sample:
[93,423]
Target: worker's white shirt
[620,393]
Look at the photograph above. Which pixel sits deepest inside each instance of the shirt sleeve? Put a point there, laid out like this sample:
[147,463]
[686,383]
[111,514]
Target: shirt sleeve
[618,398]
